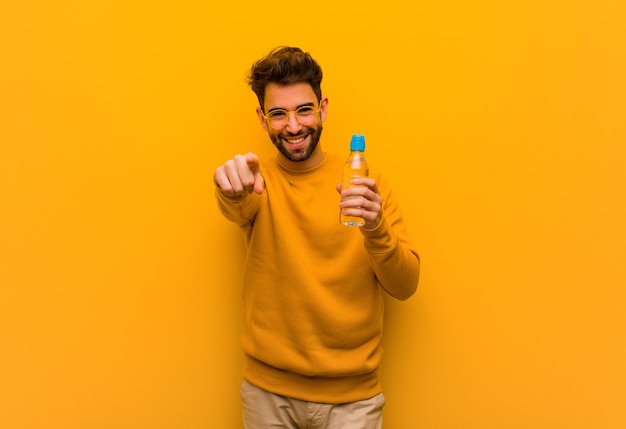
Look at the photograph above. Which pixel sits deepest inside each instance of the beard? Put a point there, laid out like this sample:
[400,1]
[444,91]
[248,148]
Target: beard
[300,154]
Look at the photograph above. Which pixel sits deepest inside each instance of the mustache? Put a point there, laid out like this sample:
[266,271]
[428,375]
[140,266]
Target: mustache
[288,134]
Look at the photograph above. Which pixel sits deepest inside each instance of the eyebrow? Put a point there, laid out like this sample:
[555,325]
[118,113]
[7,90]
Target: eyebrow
[309,104]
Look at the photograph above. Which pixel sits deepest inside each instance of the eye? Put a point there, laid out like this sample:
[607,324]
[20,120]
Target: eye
[277,114]
[306,110]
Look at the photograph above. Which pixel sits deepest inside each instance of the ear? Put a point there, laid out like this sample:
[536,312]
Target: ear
[323,108]
[259,113]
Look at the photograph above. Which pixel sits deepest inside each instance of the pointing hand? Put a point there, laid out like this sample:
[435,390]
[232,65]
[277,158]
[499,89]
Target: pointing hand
[240,175]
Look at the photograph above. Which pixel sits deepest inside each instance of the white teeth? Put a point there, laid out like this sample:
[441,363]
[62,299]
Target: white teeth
[295,141]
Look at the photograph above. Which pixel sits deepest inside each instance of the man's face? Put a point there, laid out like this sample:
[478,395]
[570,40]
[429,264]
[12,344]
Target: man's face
[295,141]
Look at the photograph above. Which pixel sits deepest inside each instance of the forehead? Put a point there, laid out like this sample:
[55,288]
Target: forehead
[288,96]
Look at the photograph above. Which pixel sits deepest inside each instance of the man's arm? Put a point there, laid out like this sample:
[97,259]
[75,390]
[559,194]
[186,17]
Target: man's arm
[394,260]
[238,187]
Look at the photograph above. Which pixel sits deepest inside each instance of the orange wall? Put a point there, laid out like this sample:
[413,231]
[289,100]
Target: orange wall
[501,126]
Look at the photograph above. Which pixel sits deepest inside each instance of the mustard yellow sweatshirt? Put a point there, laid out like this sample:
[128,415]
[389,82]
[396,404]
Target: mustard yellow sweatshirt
[313,288]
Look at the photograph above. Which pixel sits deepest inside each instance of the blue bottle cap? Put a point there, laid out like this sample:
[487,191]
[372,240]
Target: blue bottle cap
[357,142]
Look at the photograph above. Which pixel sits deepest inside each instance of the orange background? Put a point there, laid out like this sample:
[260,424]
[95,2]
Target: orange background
[501,126]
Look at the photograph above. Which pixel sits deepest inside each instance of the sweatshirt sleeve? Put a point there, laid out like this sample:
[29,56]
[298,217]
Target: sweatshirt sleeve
[394,260]
[240,209]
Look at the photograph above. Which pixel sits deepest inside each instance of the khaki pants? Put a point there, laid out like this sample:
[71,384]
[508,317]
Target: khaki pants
[263,410]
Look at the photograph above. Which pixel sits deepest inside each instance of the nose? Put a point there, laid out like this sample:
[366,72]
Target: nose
[293,126]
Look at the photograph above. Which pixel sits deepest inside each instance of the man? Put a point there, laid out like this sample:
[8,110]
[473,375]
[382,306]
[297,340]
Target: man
[312,288]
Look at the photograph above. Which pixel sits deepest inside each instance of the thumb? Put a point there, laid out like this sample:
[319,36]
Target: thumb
[255,167]
[259,183]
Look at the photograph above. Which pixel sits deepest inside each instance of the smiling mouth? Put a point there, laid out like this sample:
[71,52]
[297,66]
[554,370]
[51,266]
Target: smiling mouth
[295,141]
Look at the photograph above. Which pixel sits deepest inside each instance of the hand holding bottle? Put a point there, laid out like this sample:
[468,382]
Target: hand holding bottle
[364,201]
[360,201]
[240,175]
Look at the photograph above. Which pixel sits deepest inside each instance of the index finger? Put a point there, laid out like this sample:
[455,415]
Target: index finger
[366,181]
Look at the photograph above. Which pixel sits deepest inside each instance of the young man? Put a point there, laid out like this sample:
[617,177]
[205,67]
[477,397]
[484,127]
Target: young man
[312,288]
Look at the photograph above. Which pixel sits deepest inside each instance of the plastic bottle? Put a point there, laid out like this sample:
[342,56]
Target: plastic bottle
[355,166]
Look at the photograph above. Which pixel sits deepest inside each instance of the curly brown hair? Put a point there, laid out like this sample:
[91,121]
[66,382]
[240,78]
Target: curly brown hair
[285,65]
